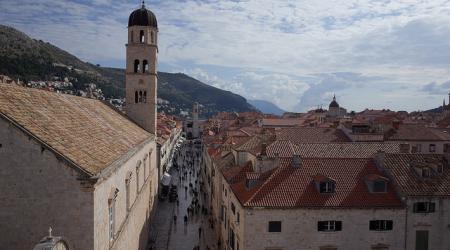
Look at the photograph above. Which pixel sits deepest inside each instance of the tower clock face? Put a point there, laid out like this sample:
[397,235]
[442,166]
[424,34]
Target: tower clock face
[60,246]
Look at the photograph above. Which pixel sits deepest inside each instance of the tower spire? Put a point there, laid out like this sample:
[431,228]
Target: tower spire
[334,97]
[143,4]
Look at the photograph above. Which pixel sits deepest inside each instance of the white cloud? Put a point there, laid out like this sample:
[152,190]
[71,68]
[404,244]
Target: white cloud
[283,51]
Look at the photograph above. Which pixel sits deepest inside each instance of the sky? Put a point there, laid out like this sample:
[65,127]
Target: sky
[296,54]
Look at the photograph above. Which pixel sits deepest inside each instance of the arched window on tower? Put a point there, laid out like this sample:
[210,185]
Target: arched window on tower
[144,66]
[152,37]
[136,66]
[136,97]
[142,37]
[145,97]
[140,96]
[132,36]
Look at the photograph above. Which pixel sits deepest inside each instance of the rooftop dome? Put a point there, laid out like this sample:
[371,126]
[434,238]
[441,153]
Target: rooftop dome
[333,103]
[142,17]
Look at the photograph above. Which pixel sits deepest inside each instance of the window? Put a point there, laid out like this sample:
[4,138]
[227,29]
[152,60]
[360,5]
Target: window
[222,213]
[145,167]
[329,226]
[274,226]
[111,211]
[152,37]
[233,208]
[379,186]
[127,191]
[144,66]
[144,97]
[231,238]
[432,148]
[379,247]
[327,187]
[136,97]
[136,66]
[137,177]
[424,207]
[328,248]
[238,219]
[447,148]
[426,172]
[131,36]
[380,225]
[141,36]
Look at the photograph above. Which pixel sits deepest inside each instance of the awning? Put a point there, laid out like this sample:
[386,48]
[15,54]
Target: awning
[166,178]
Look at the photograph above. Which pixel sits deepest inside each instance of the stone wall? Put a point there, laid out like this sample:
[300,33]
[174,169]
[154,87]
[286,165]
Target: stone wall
[39,191]
[437,224]
[299,229]
[131,227]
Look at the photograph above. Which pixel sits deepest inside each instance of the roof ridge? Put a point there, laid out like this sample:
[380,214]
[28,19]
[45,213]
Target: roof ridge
[272,175]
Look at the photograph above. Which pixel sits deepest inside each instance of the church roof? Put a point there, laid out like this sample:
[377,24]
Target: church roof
[142,17]
[87,132]
[334,103]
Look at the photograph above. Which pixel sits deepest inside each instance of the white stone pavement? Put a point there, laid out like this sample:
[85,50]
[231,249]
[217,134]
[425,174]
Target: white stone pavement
[181,236]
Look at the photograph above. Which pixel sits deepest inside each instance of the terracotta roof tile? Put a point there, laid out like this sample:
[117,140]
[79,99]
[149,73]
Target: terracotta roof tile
[399,166]
[88,132]
[413,132]
[293,187]
[311,135]
[331,150]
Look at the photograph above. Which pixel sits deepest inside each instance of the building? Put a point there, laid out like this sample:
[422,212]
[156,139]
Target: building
[192,127]
[355,187]
[420,139]
[77,164]
[169,132]
[423,183]
[334,110]
[279,200]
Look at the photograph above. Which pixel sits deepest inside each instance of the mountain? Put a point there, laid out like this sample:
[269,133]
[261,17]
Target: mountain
[30,59]
[435,110]
[266,107]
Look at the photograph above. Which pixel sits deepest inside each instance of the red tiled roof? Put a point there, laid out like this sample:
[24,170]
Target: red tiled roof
[311,135]
[293,187]
[333,150]
[409,183]
[284,149]
[284,122]
[418,133]
[254,144]
[86,131]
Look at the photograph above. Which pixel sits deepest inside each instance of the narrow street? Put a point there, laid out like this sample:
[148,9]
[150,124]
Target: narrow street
[171,231]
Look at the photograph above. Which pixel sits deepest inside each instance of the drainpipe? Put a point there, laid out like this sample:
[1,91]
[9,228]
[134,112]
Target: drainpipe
[406,221]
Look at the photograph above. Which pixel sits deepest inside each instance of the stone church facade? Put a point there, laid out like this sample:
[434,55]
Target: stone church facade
[77,164]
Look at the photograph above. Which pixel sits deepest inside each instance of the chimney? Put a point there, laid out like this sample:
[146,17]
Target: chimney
[396,124]
[379,157]
[404,148]
[296,161]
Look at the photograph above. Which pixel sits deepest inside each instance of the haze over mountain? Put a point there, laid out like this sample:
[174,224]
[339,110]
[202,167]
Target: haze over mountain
[266,107]
[30,59]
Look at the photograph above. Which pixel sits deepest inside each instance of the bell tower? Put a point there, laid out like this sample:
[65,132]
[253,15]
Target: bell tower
[141,78]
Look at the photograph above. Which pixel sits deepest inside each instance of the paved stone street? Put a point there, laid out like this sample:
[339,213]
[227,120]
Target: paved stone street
[179,235]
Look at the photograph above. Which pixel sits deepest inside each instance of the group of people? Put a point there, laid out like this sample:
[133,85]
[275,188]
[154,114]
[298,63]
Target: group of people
[188,164]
